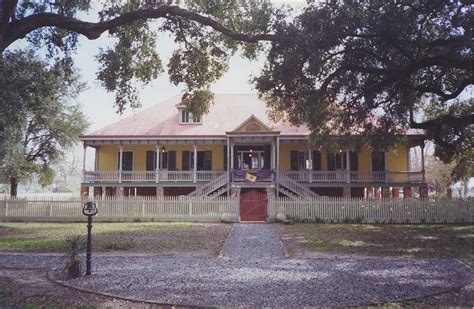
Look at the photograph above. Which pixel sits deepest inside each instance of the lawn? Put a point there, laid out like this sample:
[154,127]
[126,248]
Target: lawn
[414,241]
[137,237]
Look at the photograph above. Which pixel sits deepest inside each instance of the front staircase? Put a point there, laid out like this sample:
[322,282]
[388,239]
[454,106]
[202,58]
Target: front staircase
[289,187]
[294,190]
[212,189]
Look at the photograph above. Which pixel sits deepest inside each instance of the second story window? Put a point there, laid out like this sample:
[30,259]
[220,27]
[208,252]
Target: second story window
[188,117]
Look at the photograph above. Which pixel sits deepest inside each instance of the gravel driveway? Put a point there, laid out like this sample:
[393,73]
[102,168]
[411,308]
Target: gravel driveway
[262,276]
[253,241]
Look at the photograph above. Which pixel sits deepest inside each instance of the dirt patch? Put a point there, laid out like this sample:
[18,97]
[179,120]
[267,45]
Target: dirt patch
[29,288]
[354,240]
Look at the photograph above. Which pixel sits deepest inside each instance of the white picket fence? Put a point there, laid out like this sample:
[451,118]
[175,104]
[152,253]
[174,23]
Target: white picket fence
[119,209]
[344,210]
[320,209]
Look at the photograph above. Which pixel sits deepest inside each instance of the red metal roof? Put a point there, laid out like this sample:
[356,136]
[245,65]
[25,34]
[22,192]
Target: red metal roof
[227,112]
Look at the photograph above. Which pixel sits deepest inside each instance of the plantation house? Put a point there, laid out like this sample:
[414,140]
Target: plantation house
[235,149]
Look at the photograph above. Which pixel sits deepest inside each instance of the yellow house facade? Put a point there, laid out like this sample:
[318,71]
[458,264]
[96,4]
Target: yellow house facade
[165,151]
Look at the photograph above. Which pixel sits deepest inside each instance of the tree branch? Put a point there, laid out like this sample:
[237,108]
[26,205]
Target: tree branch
[20,28]
[446,120]
[446,96]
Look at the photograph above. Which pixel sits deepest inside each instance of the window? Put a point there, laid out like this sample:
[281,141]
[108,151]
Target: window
[316,161]
[204,160]
[187,117]
[127,160]
[299,160]
[150,160]
[250,160]
[164,160]
[378,161]
[338,161]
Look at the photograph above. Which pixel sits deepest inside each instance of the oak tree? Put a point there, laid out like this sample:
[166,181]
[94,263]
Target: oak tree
[37,121]
[376,68]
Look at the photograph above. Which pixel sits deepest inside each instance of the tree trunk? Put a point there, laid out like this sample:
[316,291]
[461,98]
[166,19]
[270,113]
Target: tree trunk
[13,187]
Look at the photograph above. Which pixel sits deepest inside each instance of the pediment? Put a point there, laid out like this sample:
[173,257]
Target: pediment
[253,124]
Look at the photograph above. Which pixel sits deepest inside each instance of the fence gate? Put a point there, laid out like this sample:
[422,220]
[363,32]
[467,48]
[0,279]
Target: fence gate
[253,205]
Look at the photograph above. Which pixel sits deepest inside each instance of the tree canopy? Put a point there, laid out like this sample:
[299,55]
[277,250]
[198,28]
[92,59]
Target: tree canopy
[207,33]
[37,123]
[367,68]
[372,67]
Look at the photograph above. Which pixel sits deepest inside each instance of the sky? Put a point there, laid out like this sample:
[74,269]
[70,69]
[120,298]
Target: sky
[97,103]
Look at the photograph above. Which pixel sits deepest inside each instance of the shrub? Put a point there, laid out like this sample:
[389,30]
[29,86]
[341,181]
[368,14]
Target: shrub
[75,245]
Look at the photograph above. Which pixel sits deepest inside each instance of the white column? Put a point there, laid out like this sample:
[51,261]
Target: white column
[272,164]
[310,163]
[195,163]
[228,167]
[157,164]
[386,166]
[348,165]
[423,161]
[277,176]
[120,163]
[232,155]
[84,163]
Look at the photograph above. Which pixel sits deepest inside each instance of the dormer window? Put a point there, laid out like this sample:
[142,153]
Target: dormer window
[188,118]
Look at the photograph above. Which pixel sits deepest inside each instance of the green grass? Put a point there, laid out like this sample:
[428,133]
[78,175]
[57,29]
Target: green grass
[414,241]
[50,237]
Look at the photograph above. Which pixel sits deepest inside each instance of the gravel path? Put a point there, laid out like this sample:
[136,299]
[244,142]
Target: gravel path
[254,272]
[253,241]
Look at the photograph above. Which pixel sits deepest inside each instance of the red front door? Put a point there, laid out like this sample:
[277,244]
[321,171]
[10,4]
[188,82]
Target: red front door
[253,205]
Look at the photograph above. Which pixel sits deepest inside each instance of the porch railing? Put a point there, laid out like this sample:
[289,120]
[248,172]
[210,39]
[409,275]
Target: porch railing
[149,176]
[354,177]
[304,176]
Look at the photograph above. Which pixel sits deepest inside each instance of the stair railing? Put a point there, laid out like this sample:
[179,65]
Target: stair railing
[297,188]
[210,187]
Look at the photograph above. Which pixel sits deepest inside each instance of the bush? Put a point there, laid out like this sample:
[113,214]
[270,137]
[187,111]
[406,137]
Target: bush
[75,245]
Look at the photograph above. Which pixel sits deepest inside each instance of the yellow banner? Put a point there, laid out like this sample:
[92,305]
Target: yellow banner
[250,177]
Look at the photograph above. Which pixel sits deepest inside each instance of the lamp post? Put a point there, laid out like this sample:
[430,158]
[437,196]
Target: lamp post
[89,210]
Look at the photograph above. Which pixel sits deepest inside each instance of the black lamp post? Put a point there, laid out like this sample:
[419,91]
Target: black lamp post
[89,210]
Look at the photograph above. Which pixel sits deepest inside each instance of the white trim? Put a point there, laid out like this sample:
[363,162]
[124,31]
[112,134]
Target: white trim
[267,128]
[190,116]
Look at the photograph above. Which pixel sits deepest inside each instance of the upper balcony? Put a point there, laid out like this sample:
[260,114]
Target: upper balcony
[261,176]
[344,176]
[149,176]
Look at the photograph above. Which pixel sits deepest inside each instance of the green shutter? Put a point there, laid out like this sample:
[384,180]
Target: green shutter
[294,156]
[354,160]
[267,157]
[172,160]
[378,161]
[331,162]
[208,160]
[225,157]
[185,160]
[316,161]
[150,160]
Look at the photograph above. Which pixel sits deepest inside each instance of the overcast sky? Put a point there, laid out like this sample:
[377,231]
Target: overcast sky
[97,103]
